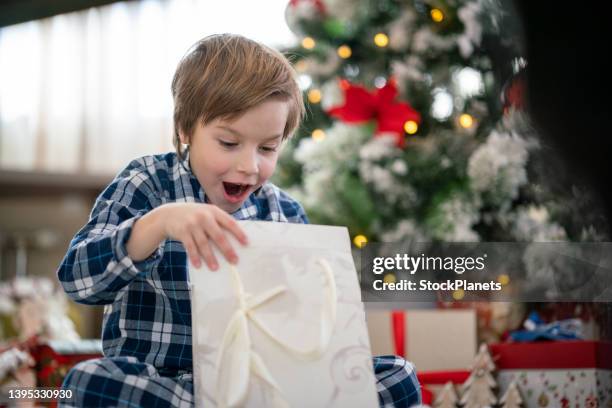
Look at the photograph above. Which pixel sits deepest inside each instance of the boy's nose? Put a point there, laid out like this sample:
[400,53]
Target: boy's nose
[248,163]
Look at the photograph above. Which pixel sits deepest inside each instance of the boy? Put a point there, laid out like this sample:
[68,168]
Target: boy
[235,101]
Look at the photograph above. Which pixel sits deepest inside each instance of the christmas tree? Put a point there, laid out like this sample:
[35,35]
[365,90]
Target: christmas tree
[478,388]
[416,128]
[512,397]
[447,398]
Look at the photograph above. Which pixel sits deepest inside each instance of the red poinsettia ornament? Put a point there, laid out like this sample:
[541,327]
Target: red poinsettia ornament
[361,105]
[317,4]
[514,92]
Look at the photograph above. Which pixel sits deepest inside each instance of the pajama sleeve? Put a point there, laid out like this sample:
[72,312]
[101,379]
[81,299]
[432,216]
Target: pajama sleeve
[97,267]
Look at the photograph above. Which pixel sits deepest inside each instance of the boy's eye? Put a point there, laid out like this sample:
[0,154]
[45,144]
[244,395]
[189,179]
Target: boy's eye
[227,144]
[268,148]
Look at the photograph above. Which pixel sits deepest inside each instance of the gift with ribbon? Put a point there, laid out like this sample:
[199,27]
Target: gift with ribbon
[285,326]
[536,329]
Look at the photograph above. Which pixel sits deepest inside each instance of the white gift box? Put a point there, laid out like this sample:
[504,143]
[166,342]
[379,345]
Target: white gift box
[283,327]
[434,339]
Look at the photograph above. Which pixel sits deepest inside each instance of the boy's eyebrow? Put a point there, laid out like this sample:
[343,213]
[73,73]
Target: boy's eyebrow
[237,133]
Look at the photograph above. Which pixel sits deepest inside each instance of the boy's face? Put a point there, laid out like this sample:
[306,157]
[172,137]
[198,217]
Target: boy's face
[233,159]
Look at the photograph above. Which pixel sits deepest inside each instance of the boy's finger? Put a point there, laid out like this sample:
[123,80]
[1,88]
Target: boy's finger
[204,249]
[229,223]
[215,233]
[192,251]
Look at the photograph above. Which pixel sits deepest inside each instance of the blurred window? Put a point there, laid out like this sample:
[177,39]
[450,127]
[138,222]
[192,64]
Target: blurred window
[89,91]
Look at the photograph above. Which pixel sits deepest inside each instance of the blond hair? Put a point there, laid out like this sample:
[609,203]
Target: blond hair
[223,76]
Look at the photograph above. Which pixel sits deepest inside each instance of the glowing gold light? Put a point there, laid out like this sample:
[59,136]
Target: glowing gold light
[381,40]
[458,294]
[314,96]
[389,278]
[360,241]
[301,66]
[308,43]
[436,15]
[318,135]
[344,51]
[503,279]
[411,127]
[466,121]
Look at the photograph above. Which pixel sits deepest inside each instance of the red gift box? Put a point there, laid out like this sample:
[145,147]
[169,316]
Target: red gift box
[557,373]
[432,380]
[52,365]
[54,359]
[553,355]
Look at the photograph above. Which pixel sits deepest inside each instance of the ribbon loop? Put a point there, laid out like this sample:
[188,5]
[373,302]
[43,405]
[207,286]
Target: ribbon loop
[246,360]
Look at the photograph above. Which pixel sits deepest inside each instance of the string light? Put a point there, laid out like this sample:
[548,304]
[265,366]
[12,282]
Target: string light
[301,66]
[466,121]
[344,51]
[308,43]
[458,294]
[389,278]
[360,241]
[381,40]
[304,81]
[318,135]
[380,82]
[314,96]
[504,279]
[436,15]
[411,127]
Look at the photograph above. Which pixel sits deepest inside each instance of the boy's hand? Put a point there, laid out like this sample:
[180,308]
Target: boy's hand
[196,225]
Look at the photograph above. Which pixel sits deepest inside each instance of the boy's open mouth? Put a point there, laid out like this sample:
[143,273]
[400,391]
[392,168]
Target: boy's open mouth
[235,189]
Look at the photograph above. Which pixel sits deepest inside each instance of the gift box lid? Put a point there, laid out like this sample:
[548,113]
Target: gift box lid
[553,355]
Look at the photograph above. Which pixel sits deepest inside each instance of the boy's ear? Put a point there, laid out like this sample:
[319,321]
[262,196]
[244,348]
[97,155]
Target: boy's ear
[183,137]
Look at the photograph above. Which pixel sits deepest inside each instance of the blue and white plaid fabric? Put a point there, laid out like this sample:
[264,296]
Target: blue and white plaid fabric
[147,312]
[396,382]
[127,382]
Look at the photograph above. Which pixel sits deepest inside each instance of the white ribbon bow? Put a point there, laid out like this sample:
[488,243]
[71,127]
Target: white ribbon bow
[245,359]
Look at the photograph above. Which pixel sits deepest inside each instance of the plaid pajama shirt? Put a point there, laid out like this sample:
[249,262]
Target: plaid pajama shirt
[146,334]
